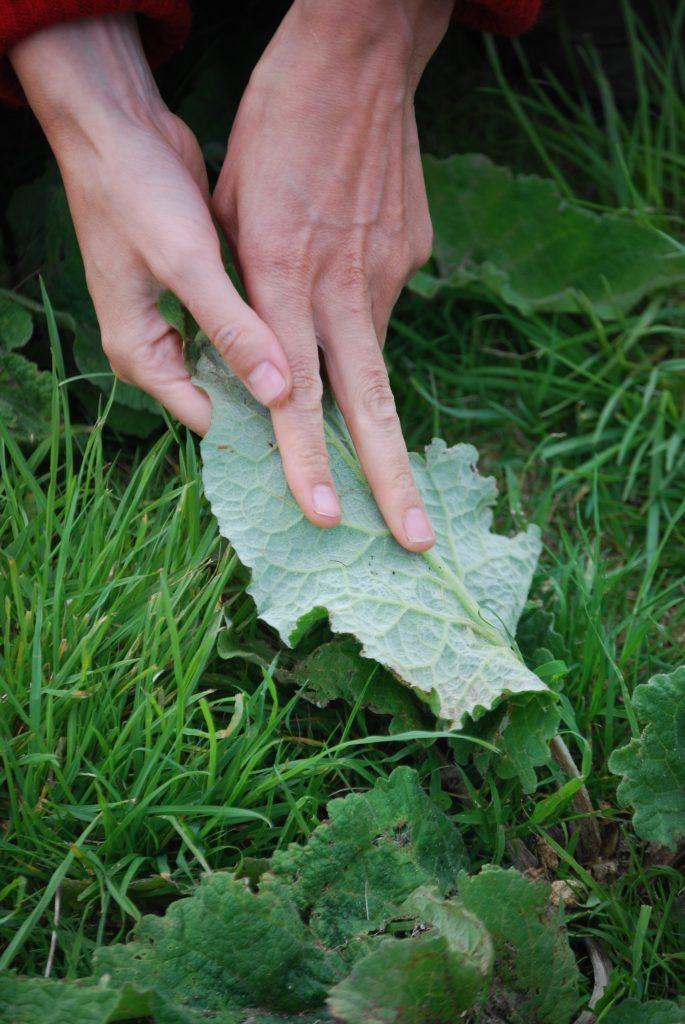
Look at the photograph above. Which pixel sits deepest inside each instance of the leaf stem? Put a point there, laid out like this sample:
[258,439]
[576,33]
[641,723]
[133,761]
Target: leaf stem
[471,606]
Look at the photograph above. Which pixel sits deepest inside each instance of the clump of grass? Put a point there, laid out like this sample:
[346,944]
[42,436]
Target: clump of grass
[131,757]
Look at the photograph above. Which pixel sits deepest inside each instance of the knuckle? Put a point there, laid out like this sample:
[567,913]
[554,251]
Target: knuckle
[307,390]
[376,399]
[273,258]
[229,341]
[308,394]
[313,462]
[400,477]
[351,275]
[119,370]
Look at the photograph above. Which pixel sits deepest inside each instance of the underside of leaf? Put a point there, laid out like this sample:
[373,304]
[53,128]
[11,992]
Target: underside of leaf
[443,622]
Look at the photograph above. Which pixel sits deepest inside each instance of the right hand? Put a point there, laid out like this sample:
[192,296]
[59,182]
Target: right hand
[137,189]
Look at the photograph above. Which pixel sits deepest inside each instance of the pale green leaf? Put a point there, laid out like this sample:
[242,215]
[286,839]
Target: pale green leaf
[653,765]
[535,977]
[442,621]
[16,324]
[357,869]
[515,237]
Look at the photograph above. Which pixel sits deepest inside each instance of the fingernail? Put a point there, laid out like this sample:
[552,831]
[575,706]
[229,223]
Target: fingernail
[325,501]
[266,382]
[417,526]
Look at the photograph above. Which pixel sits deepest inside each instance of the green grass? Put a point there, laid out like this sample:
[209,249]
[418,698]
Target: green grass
[132,757]
[117,715]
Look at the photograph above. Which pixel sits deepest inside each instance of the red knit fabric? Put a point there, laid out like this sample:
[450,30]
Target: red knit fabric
[164,26]
[164,23]
[503,17]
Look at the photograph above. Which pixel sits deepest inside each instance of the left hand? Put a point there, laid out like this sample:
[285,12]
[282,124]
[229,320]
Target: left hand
[323,201]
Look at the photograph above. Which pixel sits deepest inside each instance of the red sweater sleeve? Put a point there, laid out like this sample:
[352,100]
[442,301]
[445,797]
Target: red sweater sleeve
[164,25]
[503,17]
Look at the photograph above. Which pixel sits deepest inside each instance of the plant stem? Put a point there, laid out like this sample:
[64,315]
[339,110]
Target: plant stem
[592,841]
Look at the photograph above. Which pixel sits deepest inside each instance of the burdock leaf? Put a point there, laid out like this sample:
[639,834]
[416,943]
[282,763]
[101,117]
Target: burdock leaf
[515,237]
[358,868]
[443,621]
[653,765]
[16,324]
[521,730]
[658,1011]
[337,671]
[434,976]
[34,1000]
[226,948]
[25,397]
[535,976]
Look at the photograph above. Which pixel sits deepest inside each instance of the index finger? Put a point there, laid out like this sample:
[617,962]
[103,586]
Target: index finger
[360,382]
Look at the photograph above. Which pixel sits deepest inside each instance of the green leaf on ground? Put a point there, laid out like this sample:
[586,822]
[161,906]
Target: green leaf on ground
[653,765]
[443,621]
[39,1001]
[25,397]
[16,324]
[317,925]
[520,729]
[226,948]
[434,976]
[537,636]
[358,868]
[522,735]
[337,671]
[513,236]
[536,980]
[659,1011]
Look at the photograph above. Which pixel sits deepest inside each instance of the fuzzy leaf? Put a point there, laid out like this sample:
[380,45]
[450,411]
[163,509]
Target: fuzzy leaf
[434,976]
[16,324]
[515,237]
[525,733]
[653,765]
[37,1001]
[536,977]
[25,397]
[358,868]
[441,621]
[337,671]
[659,1011]
[224,949]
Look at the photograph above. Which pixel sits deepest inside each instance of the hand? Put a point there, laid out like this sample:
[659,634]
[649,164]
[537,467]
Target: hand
[137,188]
[323,201]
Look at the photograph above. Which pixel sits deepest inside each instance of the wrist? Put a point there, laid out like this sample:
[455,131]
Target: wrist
[81,76]
[407,32]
